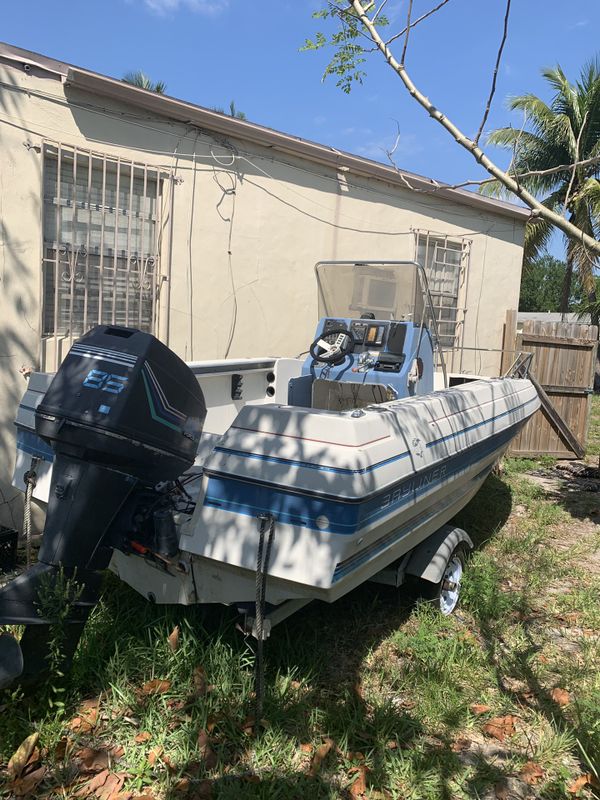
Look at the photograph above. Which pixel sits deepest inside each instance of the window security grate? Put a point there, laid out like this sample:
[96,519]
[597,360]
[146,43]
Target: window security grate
[446,262]
[101,231]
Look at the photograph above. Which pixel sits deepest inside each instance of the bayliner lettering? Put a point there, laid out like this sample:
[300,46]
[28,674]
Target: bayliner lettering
[414,485]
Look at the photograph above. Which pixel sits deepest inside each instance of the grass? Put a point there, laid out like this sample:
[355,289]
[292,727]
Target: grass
[379,688]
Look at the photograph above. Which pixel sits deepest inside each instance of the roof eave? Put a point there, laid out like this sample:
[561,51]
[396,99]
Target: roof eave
[267,137]
[214,121]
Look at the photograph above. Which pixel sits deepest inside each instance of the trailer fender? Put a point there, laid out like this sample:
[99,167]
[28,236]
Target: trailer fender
[428,560]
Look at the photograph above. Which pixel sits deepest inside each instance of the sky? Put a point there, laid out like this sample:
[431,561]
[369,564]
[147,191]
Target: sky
[210,52]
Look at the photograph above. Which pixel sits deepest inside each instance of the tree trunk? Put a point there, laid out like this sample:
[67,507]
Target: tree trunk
[566,289]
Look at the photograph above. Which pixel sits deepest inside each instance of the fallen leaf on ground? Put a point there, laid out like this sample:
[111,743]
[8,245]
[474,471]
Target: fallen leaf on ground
[392,744]
[212,722]
[21,756]
[200,681]
[526,697]
[87,716]
[532,773]
[356,756]
[206,752]
[500,727]
[111,788]
[154,755]
[320,754]
[156,686]
[116,752]
[183,785]
[502,791]
[359,786]
[142,737]
[582,781]
[479,708]
[306,748]
[60,750]
[248,725]
[560,696]
[93,760]
[173,639]
[460,744]
[92,786]
[570,617]
[28,783]
[169,764]
[203,790]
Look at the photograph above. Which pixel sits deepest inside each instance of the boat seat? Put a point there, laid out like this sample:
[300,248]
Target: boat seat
[345,396]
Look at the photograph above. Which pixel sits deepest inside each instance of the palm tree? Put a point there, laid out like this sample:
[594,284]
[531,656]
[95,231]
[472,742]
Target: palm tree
[142,81]
[233,112]
[565,131]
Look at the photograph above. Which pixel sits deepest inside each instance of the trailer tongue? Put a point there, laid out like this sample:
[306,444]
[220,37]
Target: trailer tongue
[122,413]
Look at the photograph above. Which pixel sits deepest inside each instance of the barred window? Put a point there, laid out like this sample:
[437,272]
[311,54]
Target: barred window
[446,261]
[101,223]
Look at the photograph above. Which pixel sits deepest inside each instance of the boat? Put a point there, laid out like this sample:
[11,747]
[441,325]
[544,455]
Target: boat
[260,483]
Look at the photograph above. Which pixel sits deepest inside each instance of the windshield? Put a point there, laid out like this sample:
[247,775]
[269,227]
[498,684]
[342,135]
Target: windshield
[386,290]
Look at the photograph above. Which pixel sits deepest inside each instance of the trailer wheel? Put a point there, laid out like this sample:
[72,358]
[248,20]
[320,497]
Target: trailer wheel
[445,594]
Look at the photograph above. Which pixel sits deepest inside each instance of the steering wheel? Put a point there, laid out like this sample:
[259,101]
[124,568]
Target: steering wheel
[332,352]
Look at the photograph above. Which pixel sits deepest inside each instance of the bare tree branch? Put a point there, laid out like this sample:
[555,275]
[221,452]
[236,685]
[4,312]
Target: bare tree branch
[515,151]
[572,231]
[587,162]
[379,10]
[407,29]
[572,181]
[495,75]
[416,22]
[517,176]
[390,153]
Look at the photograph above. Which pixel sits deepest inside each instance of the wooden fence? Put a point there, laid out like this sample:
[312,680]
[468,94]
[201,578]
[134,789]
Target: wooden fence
[563,367]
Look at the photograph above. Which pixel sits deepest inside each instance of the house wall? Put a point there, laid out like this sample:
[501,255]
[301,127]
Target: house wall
[247,226]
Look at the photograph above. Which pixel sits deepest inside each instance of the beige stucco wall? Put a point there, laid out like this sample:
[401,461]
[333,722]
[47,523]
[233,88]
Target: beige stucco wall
[242,260]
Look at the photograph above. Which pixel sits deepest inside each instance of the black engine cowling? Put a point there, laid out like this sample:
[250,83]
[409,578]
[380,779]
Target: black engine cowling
[122,414]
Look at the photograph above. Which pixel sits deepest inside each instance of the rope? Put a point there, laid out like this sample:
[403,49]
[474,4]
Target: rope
[262,568]
[30,479]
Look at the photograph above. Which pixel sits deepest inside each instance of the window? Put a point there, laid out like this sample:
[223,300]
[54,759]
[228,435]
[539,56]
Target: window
[446,264]
[101,225]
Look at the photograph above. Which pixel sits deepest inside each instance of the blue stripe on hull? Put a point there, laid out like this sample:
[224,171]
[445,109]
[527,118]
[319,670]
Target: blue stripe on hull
[480,424]
[28,442]
[345,517]
[288,462]
[417,520]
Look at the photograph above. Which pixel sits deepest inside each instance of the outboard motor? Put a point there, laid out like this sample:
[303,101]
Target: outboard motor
[122,414]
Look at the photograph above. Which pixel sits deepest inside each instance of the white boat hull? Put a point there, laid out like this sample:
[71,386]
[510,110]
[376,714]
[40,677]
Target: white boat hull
[350,492]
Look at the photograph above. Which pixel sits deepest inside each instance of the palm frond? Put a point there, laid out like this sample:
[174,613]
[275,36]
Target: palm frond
[142,81]
[558,133]
[537,238]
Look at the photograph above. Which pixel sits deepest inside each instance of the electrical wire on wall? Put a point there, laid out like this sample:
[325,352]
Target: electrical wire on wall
[228,191]
[142,122]
[481,285]
[227,174]
[190,275]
